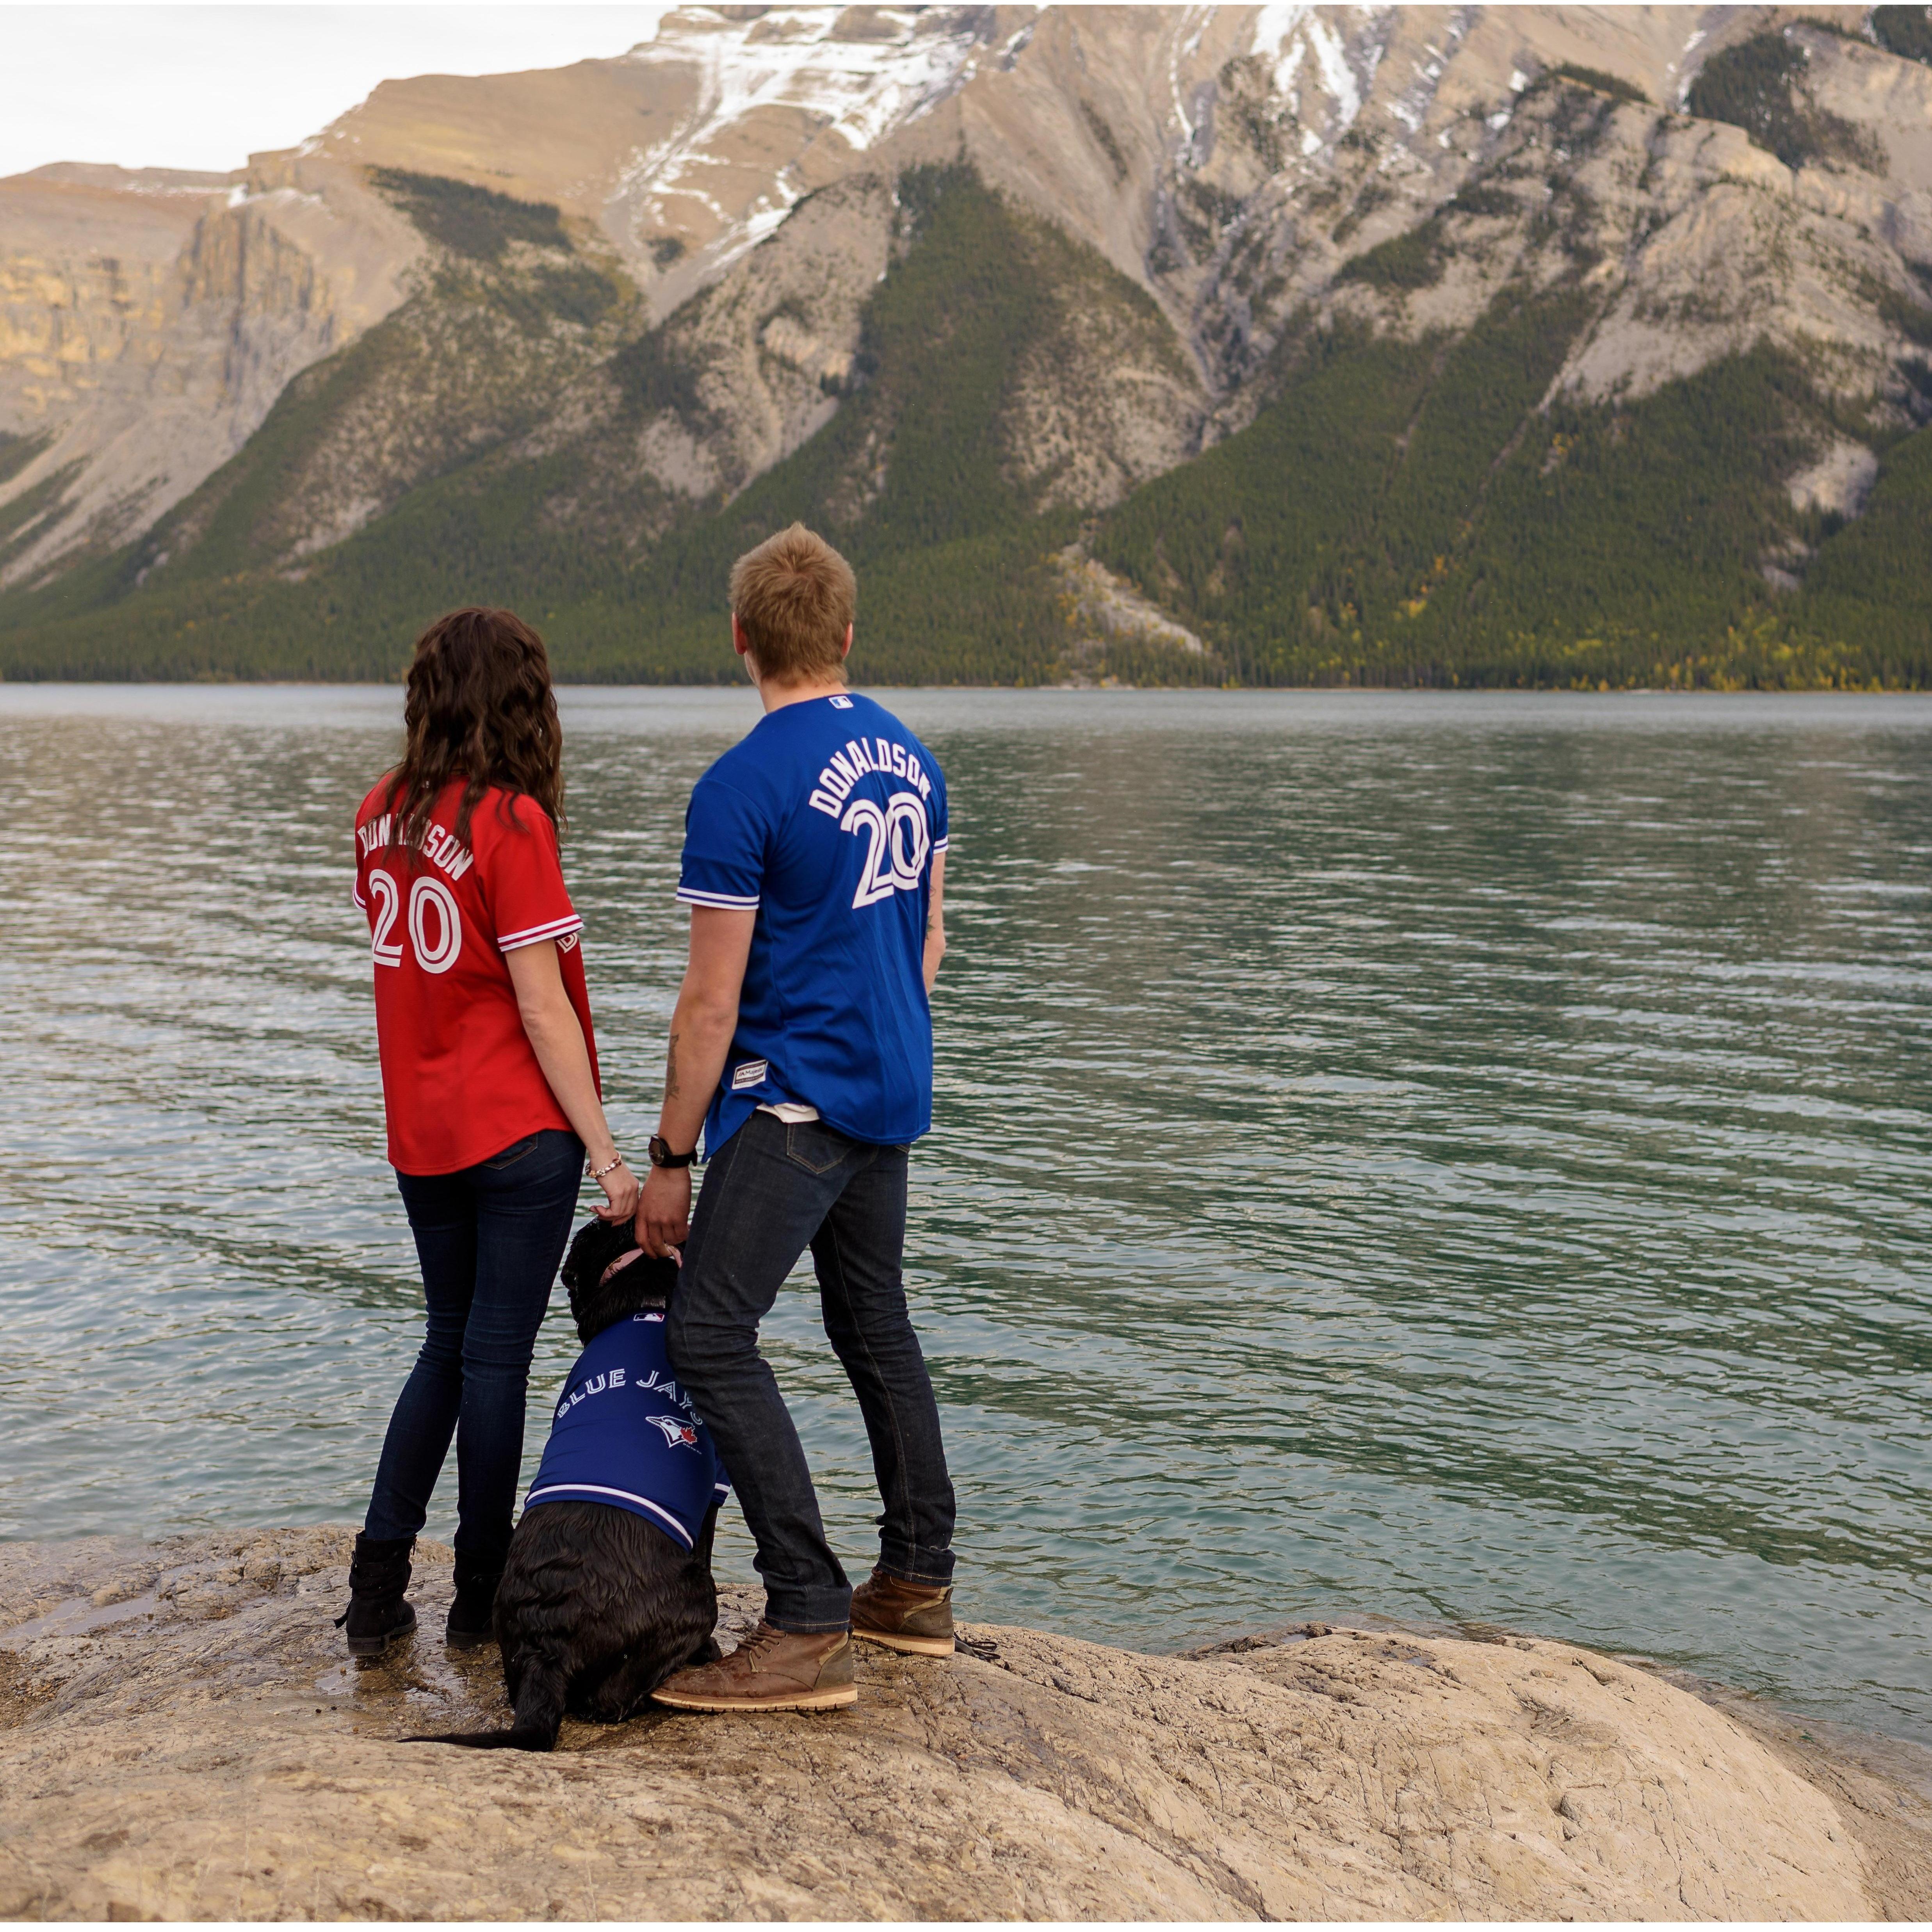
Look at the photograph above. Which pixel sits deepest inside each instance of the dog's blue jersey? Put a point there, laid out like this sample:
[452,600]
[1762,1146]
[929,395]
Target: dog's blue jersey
[626,1434]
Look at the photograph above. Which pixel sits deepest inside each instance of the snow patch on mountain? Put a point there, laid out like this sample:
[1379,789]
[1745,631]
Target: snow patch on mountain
[1275,37]
[796,57]
[860,75]
[1291,34]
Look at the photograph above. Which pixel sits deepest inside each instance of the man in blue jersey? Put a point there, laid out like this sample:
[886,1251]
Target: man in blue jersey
[814,860]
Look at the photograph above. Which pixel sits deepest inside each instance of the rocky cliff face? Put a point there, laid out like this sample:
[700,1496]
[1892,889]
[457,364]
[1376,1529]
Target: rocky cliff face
[1209,186]
[147,322]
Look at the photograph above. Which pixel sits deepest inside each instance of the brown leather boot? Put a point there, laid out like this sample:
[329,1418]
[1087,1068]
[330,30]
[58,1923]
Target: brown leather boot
[771,1670]
[916,1618]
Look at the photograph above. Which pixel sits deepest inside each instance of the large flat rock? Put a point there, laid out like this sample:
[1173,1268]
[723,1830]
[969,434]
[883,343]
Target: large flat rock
[181,1735]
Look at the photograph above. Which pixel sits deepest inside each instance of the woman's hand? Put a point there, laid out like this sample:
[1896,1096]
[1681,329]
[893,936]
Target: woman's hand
[620,1194]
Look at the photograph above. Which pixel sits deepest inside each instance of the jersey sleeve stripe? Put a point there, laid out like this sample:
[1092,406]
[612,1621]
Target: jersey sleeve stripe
[670,1522]
[509,942]
[939,844]
[729,901]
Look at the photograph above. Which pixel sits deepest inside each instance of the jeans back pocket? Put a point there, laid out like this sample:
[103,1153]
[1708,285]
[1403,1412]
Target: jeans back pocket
[516,1151]
[816,1147]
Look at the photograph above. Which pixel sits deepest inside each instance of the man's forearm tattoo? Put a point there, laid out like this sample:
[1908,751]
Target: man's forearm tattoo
[670,1070]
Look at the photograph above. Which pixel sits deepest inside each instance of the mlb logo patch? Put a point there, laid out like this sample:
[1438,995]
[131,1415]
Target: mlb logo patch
[841,704]
[751,1074]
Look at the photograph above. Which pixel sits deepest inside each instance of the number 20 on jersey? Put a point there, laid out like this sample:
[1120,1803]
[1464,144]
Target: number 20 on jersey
[898,846]
[435,926]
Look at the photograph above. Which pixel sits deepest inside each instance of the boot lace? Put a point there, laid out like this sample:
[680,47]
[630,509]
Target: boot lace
[766,1638]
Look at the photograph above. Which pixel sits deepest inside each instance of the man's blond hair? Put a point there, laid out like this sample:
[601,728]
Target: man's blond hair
[794,596]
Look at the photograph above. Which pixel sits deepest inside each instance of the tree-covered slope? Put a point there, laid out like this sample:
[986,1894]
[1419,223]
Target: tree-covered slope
[1408,514]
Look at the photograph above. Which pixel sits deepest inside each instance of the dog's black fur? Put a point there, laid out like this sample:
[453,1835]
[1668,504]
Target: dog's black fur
[596,1607]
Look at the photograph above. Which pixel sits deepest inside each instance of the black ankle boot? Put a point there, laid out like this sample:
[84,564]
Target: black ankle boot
[473,1614]
[379,1574]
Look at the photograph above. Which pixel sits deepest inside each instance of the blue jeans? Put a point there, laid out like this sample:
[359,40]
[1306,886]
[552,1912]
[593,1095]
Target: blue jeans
[771,1190]
[489,1239]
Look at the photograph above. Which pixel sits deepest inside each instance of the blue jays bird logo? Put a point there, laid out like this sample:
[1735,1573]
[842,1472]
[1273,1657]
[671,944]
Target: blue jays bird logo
[678,1433]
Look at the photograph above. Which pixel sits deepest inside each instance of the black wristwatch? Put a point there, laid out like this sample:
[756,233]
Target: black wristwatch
[662,1157]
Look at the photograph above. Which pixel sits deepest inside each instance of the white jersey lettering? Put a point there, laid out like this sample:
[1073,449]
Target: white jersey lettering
[885,756]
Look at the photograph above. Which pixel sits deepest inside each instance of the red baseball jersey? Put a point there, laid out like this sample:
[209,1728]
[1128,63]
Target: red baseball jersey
[461,1080]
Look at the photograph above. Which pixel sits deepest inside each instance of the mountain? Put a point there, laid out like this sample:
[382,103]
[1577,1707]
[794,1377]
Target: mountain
[1286,343]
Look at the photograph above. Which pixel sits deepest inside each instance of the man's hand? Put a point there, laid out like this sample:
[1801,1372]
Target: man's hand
[664,1213]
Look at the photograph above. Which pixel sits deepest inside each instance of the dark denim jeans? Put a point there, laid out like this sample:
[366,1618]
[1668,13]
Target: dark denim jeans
[772,1190]
[489,1239]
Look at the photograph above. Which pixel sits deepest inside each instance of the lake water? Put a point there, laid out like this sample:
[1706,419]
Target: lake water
[1449,1157]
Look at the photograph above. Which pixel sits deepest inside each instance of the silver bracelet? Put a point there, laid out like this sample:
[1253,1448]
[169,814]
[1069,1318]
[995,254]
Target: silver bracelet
[598,1173]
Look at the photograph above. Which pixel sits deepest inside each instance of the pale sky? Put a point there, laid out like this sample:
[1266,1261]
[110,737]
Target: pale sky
[203,86]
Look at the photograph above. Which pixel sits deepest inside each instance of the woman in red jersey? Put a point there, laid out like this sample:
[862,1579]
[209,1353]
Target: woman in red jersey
[489,1085]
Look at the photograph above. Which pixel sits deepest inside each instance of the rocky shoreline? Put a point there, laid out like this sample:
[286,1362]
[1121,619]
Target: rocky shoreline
[182,1736]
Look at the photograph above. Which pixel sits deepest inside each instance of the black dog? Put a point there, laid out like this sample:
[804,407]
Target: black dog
[602,1601]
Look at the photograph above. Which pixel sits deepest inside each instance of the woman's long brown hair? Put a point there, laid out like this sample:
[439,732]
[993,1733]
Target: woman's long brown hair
[479,708]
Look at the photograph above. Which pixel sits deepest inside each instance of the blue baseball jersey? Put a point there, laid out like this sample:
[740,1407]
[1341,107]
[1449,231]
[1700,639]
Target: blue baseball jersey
[824,821]
[626,1434]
